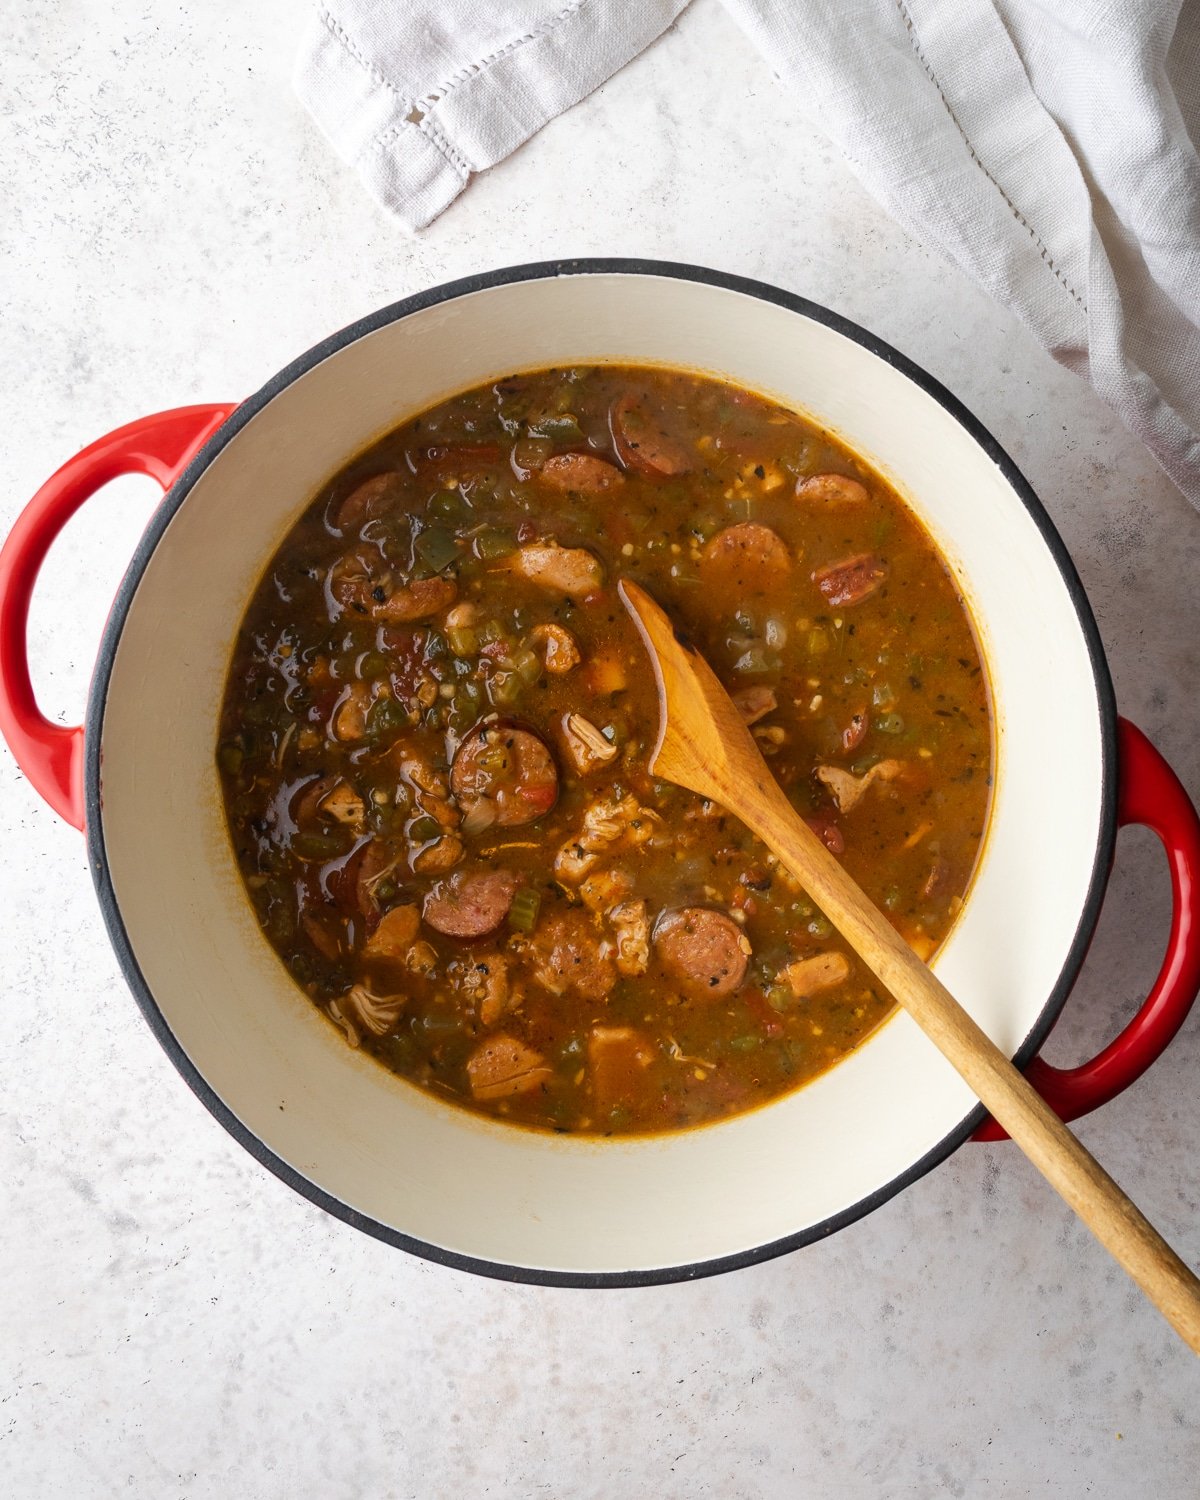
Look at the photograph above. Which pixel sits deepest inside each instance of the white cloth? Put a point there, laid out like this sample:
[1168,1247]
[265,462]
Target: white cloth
[1048,149]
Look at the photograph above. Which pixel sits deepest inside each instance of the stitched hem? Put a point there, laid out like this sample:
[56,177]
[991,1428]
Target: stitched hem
[411,172]
[1043,250]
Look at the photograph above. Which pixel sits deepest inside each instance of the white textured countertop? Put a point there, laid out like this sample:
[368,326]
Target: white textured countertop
[176,1322]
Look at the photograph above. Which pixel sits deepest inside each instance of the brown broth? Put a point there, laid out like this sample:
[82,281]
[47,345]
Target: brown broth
[340,726]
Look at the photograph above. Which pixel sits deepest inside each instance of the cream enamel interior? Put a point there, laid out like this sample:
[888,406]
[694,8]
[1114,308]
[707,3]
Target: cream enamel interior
[439,1174]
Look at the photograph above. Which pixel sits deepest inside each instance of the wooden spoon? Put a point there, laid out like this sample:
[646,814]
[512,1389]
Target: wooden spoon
[704,745]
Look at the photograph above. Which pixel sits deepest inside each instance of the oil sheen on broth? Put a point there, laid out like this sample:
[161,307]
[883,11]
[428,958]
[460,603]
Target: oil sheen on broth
[438,716]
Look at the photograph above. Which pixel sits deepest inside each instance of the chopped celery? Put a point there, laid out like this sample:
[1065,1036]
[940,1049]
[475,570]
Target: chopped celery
[523,913]
[505,688]
[528,665]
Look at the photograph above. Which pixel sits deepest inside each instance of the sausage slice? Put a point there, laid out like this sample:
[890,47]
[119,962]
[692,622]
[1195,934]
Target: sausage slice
[580,473]
[748,554]
[370,499]
[705,950]
[508,767]
[832,489]
[641,443]
[571,956]
[470,907]
[853,579]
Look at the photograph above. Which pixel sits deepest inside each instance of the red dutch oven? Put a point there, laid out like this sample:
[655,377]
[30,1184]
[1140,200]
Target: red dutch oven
[386,1157]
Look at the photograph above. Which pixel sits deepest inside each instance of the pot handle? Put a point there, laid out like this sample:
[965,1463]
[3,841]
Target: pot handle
[51,755]
[1149,793]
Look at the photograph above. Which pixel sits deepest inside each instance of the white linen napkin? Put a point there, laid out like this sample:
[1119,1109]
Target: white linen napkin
[1048,150]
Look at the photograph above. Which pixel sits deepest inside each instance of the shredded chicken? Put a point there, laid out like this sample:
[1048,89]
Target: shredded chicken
[442,855]
[754,703]
[421,958]
[350,719]
[809,976]
[360,1009]
[586,747]
[632,928]
[484,982]
[558,648]
[606,826]
[605,888]
[343,805]
[424,777]
[848,790]
[395,934]
[568,570]
[501,1066]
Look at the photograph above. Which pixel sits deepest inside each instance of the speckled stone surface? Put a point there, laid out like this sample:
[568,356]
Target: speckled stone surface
[174,1321]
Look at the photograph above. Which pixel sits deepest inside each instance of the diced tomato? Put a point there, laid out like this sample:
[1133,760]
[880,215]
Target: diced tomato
[768,1020]
[542,795]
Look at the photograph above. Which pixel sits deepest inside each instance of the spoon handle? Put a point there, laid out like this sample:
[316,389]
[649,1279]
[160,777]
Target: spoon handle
[1065,1163]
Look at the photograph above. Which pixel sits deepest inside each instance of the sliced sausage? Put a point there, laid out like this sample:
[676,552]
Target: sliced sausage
[642,444]
[832,489]
[704,949]
[853,579]
[573,571]
[370,499]
[502,1066]
[509,767]
[572,957]
[748,554]
[580,474]
[470,906]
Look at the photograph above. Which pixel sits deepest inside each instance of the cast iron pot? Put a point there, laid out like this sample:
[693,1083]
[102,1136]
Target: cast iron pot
[383,1155]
